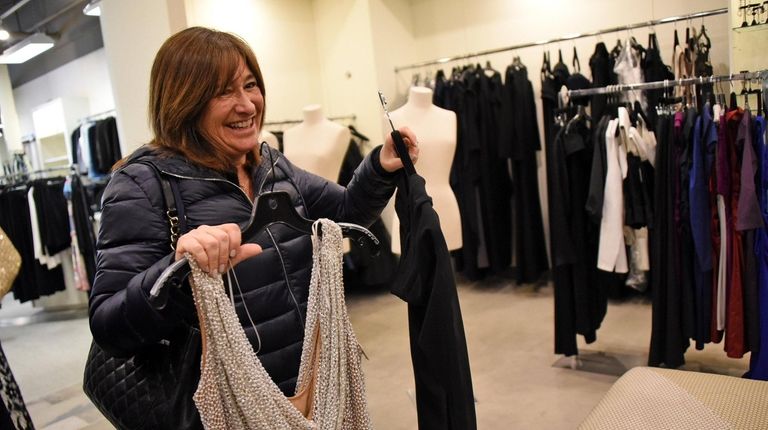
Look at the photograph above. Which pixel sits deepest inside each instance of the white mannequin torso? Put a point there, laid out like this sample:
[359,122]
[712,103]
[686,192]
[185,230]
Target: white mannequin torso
[271,139]
[317,145]
[436,130]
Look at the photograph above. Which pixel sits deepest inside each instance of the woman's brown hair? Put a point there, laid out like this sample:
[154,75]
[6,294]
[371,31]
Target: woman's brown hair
[192,67]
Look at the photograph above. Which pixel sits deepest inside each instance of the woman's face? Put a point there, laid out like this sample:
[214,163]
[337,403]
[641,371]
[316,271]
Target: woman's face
[232,118]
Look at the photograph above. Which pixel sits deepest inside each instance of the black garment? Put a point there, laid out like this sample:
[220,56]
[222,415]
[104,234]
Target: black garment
[521,137]
[601,77]
[34,280]
[598,171]
[495,187]
[82,215]
[134,241]
[461,97]
[580,299]
[444,395]
[52,215]
[551,83]
[634,205]
[104,144]
[668,344]
[654,70]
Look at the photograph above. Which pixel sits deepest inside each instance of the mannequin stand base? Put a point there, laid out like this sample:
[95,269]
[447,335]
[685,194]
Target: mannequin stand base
[600,362]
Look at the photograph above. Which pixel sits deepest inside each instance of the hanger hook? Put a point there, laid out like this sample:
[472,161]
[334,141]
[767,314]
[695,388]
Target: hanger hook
[271,163]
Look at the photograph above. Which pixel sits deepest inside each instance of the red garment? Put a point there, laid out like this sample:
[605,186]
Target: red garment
[734,321]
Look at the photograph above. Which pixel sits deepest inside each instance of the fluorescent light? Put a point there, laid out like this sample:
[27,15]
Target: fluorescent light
[4,35]
[30,47]
[93,8]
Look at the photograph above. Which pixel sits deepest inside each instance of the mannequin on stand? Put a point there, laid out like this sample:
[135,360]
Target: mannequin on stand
[318,144]
[271,139]
[436,128]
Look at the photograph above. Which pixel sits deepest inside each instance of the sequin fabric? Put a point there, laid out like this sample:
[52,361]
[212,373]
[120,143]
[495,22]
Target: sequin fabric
[236,392]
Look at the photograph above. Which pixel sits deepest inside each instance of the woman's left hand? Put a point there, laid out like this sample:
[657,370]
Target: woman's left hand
[388,156]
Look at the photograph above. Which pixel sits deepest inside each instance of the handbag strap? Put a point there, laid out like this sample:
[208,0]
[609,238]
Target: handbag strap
[174,207]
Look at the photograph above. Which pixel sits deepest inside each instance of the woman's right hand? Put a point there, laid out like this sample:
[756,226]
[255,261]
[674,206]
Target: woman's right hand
[213,246]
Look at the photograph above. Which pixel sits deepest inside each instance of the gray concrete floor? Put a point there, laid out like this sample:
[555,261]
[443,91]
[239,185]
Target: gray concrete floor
[518,381]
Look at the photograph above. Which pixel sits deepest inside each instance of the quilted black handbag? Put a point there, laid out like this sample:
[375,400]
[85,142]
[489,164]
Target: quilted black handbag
[152,389]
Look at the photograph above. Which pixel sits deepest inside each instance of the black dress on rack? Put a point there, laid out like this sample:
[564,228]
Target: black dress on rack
[462,98]
[521,144]
[668,344]
[573,238]
[495,186]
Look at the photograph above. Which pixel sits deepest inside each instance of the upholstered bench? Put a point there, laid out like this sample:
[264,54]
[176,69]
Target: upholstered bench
[653,398]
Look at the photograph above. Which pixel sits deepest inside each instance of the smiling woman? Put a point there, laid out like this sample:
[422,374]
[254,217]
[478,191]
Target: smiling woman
[206,109]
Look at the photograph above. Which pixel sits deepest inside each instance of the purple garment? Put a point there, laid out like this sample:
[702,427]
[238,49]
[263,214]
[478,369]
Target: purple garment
[748,215]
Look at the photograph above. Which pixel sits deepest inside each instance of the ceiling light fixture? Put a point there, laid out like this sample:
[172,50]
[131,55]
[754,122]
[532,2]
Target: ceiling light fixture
[4,35]
[30,47]
[93,8]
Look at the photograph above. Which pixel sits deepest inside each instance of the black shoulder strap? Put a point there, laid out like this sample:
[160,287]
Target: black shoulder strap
[174,208]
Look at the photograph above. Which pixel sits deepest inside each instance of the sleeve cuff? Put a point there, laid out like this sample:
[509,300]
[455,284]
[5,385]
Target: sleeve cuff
[375,159]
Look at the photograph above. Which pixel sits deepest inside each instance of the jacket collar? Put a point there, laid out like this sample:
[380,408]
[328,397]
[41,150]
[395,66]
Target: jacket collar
[178,165]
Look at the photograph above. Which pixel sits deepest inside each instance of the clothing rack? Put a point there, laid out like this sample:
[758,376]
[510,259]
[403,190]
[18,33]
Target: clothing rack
[298,121]
[97,116]
[567,37]
[744,76]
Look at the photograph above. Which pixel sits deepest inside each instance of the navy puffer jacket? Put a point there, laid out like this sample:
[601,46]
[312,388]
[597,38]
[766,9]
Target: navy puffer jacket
[134,248]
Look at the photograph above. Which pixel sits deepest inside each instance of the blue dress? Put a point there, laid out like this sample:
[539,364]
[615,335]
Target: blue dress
[758,366]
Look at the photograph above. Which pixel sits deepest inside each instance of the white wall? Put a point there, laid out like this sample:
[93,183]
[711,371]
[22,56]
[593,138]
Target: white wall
[11,140]
[393,30]
[133,32]
[282,34]
[348,62]
[85,78]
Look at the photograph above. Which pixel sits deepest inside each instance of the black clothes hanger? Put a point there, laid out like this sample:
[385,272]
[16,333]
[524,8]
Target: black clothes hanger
[559,58]
[581,116]
[359,135]
[617,49]
[638,110]
[517,63]
[733,102]
[703,38]
[488,69]
[273,207]
[276,207]
[677,41]
[575,62]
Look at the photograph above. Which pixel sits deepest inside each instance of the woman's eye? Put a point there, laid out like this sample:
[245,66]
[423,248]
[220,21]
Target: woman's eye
[251,85]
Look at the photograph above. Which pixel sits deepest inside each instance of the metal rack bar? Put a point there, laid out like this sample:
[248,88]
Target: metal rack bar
[763,74]
[568,37]
[99,115]
[297,121]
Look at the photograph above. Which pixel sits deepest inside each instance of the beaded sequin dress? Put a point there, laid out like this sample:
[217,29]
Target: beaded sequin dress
[236,392]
